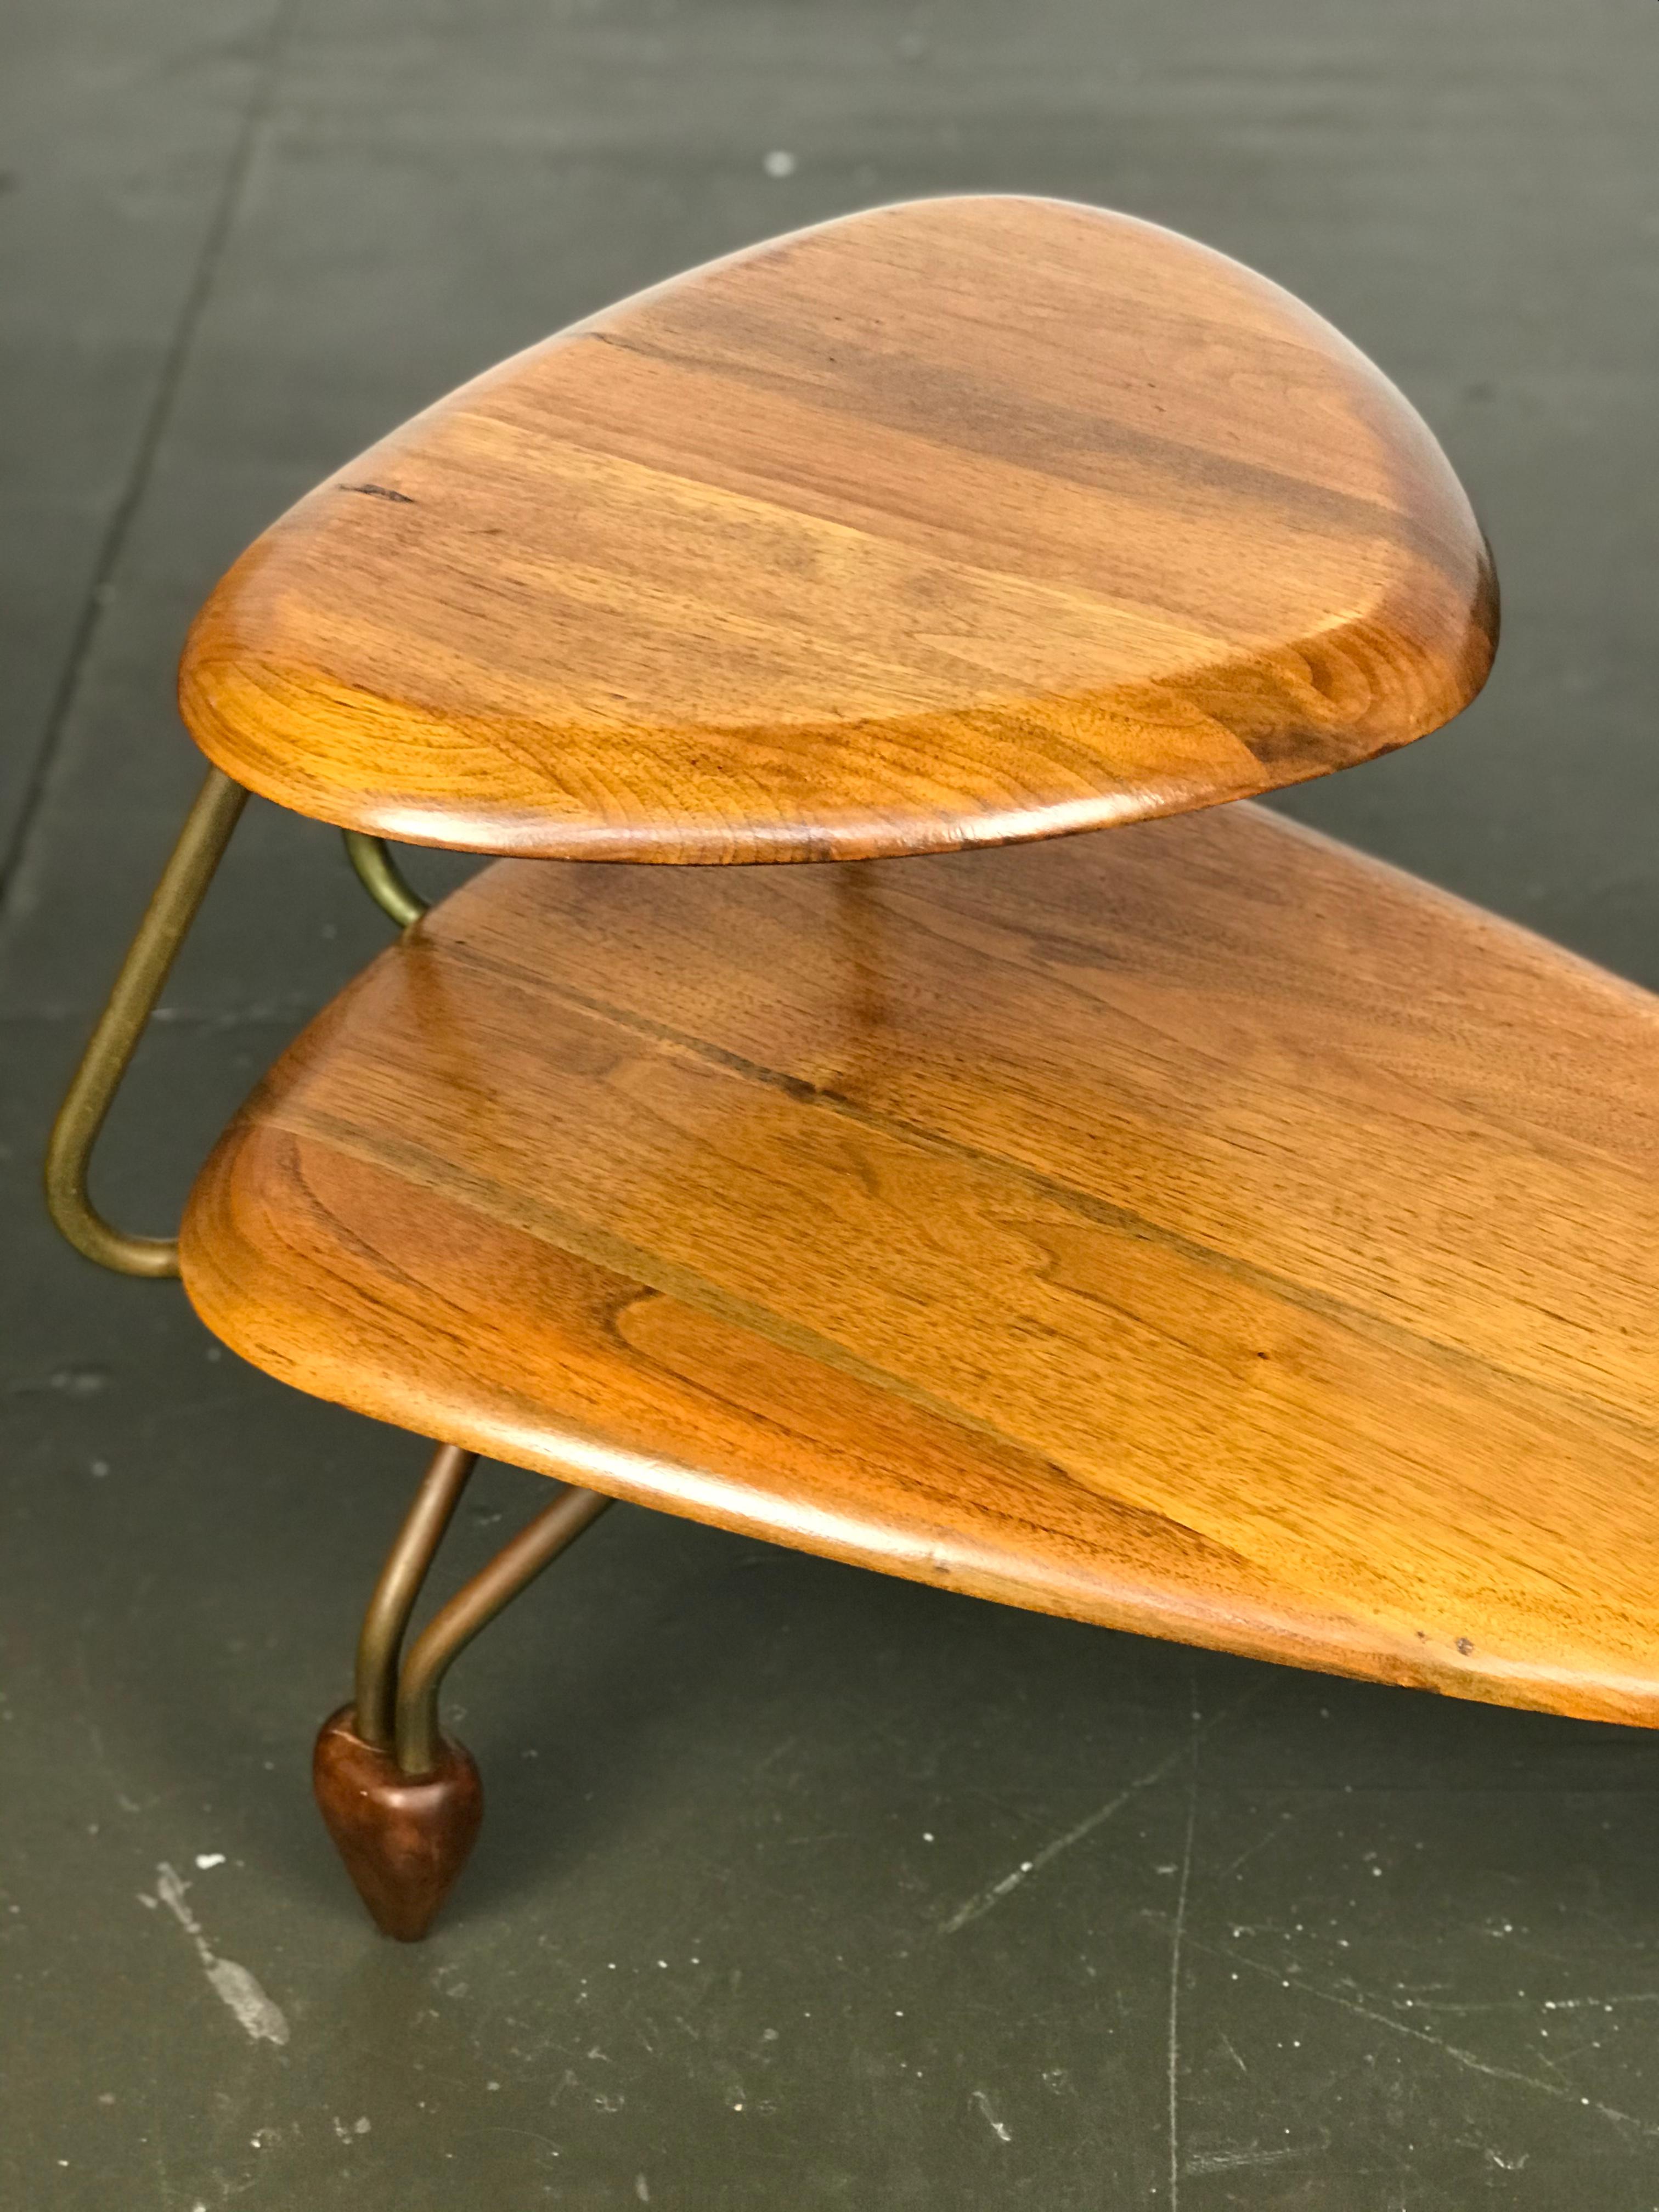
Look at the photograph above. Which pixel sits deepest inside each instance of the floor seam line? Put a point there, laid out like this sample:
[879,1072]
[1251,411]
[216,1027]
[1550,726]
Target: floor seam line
[220,225]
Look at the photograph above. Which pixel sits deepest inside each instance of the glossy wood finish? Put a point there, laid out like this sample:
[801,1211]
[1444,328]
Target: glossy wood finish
[1197,1228]
[949,523]
[403,1841]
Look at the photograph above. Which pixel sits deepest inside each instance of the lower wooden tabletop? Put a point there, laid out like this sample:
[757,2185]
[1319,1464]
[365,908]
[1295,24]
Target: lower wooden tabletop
[1195,1227]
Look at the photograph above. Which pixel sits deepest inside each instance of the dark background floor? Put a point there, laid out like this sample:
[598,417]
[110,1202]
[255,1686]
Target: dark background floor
[725,1942]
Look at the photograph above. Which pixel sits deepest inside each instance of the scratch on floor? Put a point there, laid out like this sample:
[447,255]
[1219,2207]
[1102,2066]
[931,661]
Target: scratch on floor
[977,1906]
[1224,2161]
[1261,1845]
[1470,2059]
[99,1754]
[1177,1938]
[254,2011]
[1522,2002]
[995,2125]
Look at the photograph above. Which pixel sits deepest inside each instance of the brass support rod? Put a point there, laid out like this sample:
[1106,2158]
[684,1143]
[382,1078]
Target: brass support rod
[473,1607]
[382,877]
[405,1570]
[144,971]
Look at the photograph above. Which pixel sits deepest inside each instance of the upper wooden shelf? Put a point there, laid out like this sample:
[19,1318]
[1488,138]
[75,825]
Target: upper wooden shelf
[953,522]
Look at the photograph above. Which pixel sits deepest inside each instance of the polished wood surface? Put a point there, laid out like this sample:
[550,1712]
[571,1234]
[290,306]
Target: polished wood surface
[948,523]
[1197,1228]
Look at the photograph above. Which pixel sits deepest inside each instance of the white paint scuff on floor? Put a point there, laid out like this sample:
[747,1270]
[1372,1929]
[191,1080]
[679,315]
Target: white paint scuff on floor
[997,2128]
[255,2011]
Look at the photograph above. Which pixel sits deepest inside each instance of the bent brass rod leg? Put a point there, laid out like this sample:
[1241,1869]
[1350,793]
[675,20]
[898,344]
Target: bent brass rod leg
[405,1570]
[515,1566]
[201,846]
[382,877]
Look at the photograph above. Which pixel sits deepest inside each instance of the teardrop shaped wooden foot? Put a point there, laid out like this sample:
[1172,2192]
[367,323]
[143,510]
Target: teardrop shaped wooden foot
[404,1840]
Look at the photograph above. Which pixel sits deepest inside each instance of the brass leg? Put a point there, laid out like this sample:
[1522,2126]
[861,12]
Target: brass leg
[382,879]
[405,1570]
[145,972]
[513,1568]
[402,1801]
[201,846]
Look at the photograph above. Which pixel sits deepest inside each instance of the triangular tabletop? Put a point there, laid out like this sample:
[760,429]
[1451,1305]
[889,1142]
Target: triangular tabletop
[951,523]
[1200,1230]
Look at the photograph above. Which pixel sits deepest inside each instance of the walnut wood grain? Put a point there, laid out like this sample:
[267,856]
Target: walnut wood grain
[1197,1228]
[950,524]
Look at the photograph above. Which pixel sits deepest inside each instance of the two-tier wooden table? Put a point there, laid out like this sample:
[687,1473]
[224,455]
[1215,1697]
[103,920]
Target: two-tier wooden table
[1193,1227]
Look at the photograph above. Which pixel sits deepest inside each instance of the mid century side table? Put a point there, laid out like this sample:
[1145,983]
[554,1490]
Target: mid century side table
[1196,1228]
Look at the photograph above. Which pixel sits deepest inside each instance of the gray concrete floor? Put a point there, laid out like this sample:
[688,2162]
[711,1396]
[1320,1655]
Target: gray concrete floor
[739,1932]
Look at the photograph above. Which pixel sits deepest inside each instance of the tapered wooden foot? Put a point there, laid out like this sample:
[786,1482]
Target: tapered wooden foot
[404,1840]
